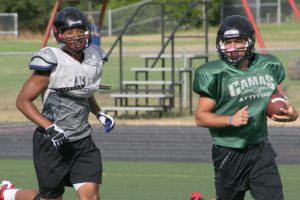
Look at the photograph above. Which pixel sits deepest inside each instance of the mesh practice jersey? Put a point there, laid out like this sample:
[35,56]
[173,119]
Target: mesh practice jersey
[232,89]
[69,109]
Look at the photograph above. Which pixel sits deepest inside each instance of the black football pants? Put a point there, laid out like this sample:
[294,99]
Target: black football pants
[252,168]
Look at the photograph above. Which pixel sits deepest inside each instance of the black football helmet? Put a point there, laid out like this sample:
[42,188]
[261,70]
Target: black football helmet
[235,27]
[69,18]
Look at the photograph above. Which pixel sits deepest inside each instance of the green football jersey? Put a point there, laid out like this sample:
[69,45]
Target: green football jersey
[232,89]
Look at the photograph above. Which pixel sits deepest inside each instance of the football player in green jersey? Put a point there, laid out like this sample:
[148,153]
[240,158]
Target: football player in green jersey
[233,95]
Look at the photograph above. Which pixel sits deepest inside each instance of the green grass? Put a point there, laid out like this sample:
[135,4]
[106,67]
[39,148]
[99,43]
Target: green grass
[14,72]
[147,180]
[14,68]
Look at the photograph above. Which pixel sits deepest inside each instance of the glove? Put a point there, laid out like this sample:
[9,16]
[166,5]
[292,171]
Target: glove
[106,120]
[57,135]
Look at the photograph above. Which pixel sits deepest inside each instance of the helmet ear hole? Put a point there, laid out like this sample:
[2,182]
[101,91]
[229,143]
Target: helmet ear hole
[58,36]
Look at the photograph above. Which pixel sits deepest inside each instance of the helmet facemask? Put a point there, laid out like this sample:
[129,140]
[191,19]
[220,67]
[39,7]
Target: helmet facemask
[74,44]
[235,58]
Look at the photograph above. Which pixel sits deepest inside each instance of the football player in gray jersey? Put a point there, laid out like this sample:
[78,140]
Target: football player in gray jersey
[64,153]
[233,95]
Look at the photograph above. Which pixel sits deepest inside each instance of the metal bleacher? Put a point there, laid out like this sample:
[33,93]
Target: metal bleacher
[146,94]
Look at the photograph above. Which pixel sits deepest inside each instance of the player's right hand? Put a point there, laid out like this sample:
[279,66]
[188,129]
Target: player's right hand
[56,135]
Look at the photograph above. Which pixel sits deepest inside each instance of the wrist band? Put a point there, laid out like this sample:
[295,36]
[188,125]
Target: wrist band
[230,120]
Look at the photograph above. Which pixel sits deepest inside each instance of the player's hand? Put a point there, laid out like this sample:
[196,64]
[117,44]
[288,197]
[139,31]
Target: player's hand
[241,117]
[107,121]
[57,135]
[290,114]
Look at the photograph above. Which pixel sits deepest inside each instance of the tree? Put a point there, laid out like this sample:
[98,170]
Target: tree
[34,14]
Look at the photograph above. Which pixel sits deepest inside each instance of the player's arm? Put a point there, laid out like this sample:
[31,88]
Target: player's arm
[95,108]
[205,117]
[34,86]
[42,64]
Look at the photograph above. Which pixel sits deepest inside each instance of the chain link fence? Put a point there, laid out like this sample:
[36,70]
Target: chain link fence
[266,11]
[148,19]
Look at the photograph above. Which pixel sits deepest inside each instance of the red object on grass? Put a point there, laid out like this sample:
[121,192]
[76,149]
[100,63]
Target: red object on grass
[196,196]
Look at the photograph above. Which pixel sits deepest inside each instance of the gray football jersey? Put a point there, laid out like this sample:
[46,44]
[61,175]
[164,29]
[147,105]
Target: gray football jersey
[69,109]
[69,113]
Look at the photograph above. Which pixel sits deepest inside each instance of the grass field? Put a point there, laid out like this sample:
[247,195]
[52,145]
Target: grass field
[147,180]
[14,67]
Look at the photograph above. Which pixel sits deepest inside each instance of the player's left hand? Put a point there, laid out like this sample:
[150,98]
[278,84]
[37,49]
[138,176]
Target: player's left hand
[290,114]
[107,121]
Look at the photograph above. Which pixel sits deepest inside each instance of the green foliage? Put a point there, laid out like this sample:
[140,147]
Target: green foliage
[213,12]
[34,15]
[116,4]
[194,18]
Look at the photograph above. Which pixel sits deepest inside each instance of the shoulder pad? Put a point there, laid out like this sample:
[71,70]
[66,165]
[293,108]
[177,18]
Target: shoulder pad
[99,50]
[45,59]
